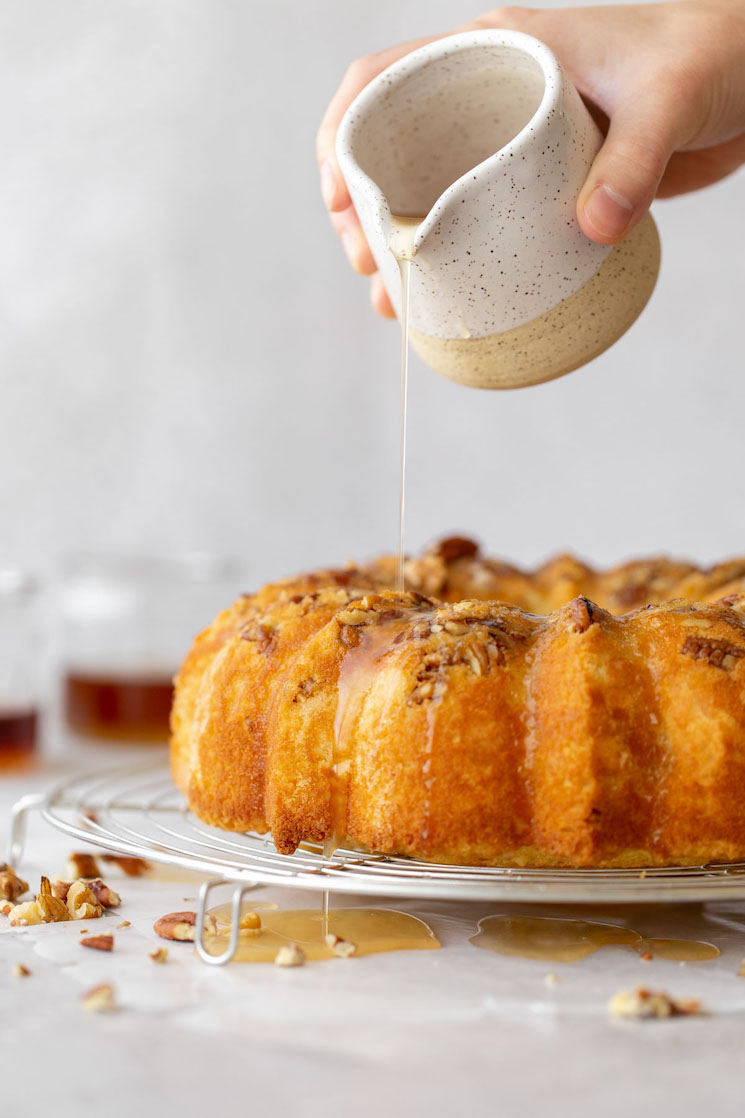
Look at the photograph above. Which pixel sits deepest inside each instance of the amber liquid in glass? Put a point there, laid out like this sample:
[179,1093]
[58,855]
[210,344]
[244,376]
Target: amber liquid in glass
[18,730]
[118,708]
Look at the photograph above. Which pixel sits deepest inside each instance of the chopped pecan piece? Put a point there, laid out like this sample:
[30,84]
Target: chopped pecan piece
[581,613]
[82,903]
[343,948]
[265,638]
[646,1004]
[455,547]
[133,867]
[99,943]
[349,636]
[11,885]
[99,1000]
[82,865]
[26,913]
[718,653]
[52,909]
[176,925]
[290,956]
[103,894]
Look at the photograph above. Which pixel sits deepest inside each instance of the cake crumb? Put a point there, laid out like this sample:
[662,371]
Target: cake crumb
[551,980]
[741,970]
[20,971]
[642,1004]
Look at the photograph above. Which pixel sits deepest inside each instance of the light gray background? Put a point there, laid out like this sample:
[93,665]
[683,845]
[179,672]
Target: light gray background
[187,362]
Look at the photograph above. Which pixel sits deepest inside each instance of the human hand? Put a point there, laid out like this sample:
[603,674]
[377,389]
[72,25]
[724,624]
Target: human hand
[667,82]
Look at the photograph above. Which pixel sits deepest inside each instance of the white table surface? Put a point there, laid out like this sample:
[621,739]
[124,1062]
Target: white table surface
[449,1032]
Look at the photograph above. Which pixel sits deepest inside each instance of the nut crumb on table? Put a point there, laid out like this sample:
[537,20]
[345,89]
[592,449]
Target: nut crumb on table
[99,999]
[643,1004]
[289,956]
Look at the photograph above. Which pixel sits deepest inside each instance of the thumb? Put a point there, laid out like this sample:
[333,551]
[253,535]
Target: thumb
[624,177]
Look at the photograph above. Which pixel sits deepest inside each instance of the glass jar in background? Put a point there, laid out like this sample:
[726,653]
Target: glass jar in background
[125,625]
[20,656]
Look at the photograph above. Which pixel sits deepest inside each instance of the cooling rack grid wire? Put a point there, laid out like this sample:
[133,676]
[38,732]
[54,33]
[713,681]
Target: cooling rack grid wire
[137,810]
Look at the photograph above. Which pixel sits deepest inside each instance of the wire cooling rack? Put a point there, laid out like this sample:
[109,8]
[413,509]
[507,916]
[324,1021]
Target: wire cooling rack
[137,810]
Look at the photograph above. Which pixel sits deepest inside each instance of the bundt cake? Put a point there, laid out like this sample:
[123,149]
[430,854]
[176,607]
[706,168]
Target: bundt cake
[487,716]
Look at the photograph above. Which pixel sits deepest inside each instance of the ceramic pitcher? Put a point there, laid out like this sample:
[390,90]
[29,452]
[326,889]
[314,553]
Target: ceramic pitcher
[483,136]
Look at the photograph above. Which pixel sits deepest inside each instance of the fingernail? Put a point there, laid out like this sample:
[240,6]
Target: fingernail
[328,184]
[607,211]
[349,244]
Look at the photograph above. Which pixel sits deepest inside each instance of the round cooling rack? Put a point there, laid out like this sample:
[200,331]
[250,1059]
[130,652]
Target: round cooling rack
[138,811]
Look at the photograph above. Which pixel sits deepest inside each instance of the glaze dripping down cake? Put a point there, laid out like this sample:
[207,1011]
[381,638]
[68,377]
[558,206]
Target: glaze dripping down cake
[487,716]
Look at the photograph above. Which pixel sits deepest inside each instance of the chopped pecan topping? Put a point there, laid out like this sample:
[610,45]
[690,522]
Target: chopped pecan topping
[265,638]
[581,613]
[305,690]
[455,547]
[718,653]
[349,636]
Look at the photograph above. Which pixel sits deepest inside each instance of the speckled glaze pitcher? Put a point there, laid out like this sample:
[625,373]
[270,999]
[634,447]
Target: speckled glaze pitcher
[484,136]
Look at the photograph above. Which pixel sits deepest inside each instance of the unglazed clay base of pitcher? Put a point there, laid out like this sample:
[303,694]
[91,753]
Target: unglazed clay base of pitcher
[567,336]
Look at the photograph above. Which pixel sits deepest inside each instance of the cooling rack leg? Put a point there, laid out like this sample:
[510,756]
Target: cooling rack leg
[18,820]
[235,923]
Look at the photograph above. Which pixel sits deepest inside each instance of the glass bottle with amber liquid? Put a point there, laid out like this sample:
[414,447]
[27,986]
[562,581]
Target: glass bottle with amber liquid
[20,655]
[126,624]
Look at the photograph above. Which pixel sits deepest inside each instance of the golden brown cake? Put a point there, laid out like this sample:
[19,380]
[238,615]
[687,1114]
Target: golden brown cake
[488,716]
